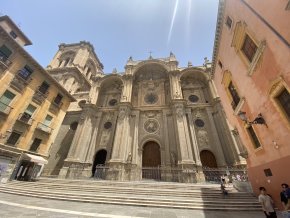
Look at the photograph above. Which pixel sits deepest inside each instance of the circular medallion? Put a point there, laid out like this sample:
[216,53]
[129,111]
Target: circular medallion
[193,98]
[112,102]
[151,126]
[151,98]
[107,125]
[199,122]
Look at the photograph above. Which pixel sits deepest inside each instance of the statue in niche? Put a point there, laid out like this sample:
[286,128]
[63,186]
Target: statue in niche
[129,158]
[202,137]
[173,159]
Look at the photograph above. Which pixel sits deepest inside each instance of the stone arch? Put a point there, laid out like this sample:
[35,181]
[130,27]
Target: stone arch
[208,159]
[150,62]
[111,88]
[194,85]
[66,58]
[90,68]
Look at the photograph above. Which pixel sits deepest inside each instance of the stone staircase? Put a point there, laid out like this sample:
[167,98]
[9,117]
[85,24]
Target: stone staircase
[141,193]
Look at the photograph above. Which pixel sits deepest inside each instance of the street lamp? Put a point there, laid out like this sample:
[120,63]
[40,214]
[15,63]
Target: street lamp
[258,120]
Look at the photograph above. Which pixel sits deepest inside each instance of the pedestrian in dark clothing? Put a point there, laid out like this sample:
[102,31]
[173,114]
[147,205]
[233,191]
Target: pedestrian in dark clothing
[285,199]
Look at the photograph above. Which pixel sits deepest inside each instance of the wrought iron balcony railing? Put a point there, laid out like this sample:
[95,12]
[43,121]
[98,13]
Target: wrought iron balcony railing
[5,109]
[5,61]
[25,118]
[39,96]
[19,82]
[44,128]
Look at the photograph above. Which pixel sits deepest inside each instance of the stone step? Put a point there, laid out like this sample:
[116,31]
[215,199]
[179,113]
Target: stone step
[168,203]
[125,190]
[137,195]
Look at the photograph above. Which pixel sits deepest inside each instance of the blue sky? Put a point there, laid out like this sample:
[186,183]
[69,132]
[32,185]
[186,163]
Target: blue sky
[118,28]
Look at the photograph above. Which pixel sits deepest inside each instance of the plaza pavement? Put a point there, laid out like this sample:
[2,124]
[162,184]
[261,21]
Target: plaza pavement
[12,206]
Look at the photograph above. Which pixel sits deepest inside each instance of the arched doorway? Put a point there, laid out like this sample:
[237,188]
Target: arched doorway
[151,160]
[100,159]
[208,162]
[208,159]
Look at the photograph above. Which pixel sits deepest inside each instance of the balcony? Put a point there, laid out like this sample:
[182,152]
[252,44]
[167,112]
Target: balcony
[25,118]
[19,82]
[54,106]
[5,109]
[4,63]
[44,128]
[39,96]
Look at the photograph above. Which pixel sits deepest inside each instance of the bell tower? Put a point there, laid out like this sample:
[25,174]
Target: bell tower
[75,65]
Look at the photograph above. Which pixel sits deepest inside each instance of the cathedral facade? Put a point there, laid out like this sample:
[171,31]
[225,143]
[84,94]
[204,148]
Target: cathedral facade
[153,115]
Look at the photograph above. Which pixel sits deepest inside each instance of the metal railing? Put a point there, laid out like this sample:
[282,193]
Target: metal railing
[162,173]
[43,127]
[39,96]
[5,109]
[25,118]
[5,60]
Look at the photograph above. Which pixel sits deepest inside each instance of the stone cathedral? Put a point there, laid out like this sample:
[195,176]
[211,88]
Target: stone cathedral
[154,115]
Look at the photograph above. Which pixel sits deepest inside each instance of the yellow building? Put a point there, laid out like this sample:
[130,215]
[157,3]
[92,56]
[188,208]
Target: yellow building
[32,107]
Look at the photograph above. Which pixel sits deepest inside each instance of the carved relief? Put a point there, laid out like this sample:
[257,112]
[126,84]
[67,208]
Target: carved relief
[202,137]
[151,126]
[179,111]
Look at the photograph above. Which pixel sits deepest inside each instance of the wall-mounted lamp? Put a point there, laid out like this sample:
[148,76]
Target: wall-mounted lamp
[258,120]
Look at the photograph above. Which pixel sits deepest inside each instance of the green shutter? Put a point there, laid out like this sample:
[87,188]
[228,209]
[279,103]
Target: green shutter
[5,51]
[6,99]
[30,109]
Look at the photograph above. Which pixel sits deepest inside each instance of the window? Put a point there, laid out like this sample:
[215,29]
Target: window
[58,99]
[284,100]
[43,88]
[268,172]
[193,98]
[235,96]
[5,100]
[249,48]
[13,138]
[73,126]
[28,113]
[5,52]
[47,120]
[229,22]
[35,144]
[25,72]
[13,34]
[253,137]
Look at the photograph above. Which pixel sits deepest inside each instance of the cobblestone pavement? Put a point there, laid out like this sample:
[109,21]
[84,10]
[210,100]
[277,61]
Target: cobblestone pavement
[21,206]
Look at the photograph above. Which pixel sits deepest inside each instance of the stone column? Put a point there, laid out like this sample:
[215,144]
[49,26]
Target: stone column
[127,90]
[218,147]
[120,145]
[166,140]
[176,92]
[186,162]
[212,89]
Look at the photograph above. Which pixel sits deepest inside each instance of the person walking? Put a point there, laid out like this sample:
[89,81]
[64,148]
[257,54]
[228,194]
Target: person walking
[267,203]
[285,199]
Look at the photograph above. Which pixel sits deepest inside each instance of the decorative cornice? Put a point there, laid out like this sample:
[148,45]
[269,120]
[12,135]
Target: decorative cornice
[218,33]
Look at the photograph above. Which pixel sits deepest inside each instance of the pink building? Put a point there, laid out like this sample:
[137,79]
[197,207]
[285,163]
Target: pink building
[251,70]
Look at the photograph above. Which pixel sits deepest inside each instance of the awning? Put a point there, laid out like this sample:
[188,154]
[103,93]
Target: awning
[34,158]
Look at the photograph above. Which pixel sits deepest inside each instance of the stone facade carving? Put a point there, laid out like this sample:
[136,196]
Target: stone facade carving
[146,104]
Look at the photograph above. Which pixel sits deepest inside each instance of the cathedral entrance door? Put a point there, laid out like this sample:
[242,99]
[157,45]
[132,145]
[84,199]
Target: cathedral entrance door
[151,160]
[208,159]
[100,159]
